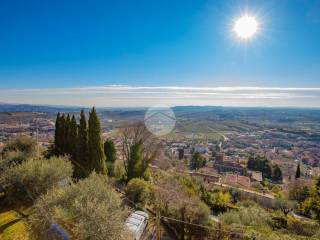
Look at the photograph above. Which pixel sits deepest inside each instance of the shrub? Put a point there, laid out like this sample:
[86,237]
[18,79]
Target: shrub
[218,201]
[11,158]
[284,205]
[248,203]
[299,190]
[312,204]
[34,177]
[300,227]
[89,209]
[24,144]
[236,195]
[119,171]
[17,151]
[138,191]
[253,216]
[175,201]
[279,220]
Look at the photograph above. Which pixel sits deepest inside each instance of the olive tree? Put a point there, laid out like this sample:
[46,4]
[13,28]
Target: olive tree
[17,151]
[34,177]
[88,209]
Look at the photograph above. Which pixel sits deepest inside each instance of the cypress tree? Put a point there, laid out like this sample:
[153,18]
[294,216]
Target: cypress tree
[298,173]
[82,153]
[63,134]
[95,144]
[67,135]
[73,135]
[111,154]
[57,134]
[135,161]
[277,173]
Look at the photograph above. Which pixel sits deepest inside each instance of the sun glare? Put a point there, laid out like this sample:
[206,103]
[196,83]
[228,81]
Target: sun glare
[245,27]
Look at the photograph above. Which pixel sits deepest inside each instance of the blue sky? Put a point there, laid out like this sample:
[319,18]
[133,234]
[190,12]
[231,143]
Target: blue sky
[63,46]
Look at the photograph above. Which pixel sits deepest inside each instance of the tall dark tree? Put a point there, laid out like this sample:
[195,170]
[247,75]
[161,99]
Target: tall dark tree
[180,153]
[298,173]
[266,169]
[57,135]
[95,144]
[73,136]
[111,155]
[260,163]
[82,154]
[276,173]
[139,149]
[63,134]
[197,161]
[135,169]
[67,135]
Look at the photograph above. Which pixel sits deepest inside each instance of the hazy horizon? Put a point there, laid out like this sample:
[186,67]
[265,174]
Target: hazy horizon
[129,96]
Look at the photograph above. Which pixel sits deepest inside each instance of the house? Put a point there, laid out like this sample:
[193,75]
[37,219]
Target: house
[256,176]
[228,166]
[209,178]
[237,180]
[201,149]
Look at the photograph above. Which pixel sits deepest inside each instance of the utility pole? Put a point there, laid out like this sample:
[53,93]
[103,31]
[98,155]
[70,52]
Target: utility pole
[158,224]
[37,137]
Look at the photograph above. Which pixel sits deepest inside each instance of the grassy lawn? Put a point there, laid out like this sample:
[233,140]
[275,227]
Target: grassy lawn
[13,227]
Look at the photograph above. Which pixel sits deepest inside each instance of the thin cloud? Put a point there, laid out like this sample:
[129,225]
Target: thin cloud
[124,95]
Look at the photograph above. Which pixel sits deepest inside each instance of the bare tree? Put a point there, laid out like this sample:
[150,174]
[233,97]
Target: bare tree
[179,209]
[132,135]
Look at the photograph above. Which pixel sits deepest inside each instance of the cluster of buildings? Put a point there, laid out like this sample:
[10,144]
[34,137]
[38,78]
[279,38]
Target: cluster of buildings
[40,128]
[220,168]
[228,165]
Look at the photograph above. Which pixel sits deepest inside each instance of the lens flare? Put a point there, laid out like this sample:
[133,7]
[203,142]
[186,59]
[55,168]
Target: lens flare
[246,27]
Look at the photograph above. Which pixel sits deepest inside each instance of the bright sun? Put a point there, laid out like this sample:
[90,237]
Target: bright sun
[245,27]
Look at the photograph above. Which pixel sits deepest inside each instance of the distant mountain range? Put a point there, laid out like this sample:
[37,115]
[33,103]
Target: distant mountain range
[8,107]
[5,107]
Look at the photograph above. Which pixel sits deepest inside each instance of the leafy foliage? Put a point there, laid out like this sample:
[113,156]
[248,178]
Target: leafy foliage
[111,156]
[17,151]
[89,209]
[259,163]
[276,173]
[139,149]
[299,190]
[301,227]
[82,143]
[95,145]
[312,204]
[253,216]
[24,144]
[73,137]
[218,200]
[197,161]
[138,191]
[34,177]
[174,201]
[262,164]
[135,169]
[285,205]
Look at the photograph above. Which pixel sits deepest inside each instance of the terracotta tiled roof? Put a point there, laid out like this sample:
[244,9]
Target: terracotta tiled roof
[233,179]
